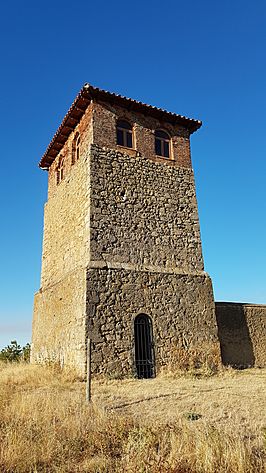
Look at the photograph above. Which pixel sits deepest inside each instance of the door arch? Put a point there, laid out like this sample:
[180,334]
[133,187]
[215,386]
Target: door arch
[143,345]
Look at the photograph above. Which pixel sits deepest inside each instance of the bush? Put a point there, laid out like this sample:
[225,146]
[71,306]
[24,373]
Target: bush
[14,352]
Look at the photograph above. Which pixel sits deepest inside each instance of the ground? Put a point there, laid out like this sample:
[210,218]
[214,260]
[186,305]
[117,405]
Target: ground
[176,423]
[233,396]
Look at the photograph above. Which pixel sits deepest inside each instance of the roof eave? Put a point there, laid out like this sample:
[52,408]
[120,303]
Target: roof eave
[80,104]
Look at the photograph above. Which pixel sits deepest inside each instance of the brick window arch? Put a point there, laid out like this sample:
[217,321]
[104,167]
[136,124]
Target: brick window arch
[124,134]
[75,148]
[60,171]
[162,143]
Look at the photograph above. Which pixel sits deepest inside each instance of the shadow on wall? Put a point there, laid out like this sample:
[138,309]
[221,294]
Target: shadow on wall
[234,335]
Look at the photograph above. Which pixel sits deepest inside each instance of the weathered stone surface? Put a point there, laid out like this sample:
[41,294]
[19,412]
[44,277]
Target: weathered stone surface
[58,331]
[242,333]
[66,226]
[121,237]
[59,307]
[181,308]
[143,213]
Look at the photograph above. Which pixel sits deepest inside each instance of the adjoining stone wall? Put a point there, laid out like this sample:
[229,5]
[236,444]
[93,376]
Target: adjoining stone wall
[181,308]
[58,330]
[104,134]
[242,333]
[143,214]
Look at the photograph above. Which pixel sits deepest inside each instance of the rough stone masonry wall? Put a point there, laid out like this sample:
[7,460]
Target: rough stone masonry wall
[59,306]
[143,214]
[145,258]
[242,333]
[181,308]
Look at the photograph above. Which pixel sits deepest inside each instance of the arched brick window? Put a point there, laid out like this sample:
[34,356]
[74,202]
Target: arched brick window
[124,135]
[60,171]
[75,148]
[162,143]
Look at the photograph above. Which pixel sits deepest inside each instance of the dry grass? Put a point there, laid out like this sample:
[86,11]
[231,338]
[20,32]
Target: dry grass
[202,359]
[170,424]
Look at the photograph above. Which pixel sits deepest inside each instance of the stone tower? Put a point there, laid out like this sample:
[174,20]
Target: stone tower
[122,259]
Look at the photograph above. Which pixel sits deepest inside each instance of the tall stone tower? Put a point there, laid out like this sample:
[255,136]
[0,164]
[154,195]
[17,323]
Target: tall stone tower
[122,259]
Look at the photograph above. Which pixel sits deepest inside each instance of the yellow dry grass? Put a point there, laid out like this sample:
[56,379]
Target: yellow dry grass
[171,424]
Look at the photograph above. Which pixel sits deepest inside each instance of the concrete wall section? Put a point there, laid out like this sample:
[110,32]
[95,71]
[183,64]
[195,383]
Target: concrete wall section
[181,308]
[242,333]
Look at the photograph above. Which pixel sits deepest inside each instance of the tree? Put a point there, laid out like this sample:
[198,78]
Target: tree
[26,352]
[14,352]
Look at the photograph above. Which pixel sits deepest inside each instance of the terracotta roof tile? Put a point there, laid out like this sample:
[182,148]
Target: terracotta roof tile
[81,102]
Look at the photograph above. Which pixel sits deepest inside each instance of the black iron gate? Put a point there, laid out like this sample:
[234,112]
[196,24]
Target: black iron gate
[144,356]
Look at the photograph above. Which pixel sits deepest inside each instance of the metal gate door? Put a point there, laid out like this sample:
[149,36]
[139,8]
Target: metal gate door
[144,358]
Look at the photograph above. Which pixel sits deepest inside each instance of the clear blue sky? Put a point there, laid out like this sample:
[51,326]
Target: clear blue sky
[204,59]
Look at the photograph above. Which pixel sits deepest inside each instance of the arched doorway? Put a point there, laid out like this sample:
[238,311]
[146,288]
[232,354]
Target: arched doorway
[144,356]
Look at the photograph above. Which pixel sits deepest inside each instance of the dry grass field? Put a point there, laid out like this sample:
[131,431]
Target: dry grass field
[172,424]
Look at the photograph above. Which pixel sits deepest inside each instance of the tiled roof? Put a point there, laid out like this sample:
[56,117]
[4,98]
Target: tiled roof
[81,102]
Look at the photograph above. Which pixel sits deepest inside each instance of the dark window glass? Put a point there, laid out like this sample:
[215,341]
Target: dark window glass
[162,144]
[77,147]
[124,134]
[166,149]
[60,171]
[119,137]
[129,140]
[158,147]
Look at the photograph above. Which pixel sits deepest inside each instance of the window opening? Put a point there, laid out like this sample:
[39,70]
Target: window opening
[124,135]
[60,171]
[162,143]
[75,148]
[144,356]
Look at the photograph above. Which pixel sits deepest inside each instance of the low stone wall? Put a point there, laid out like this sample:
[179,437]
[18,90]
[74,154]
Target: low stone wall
[242,333]
[180,306]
